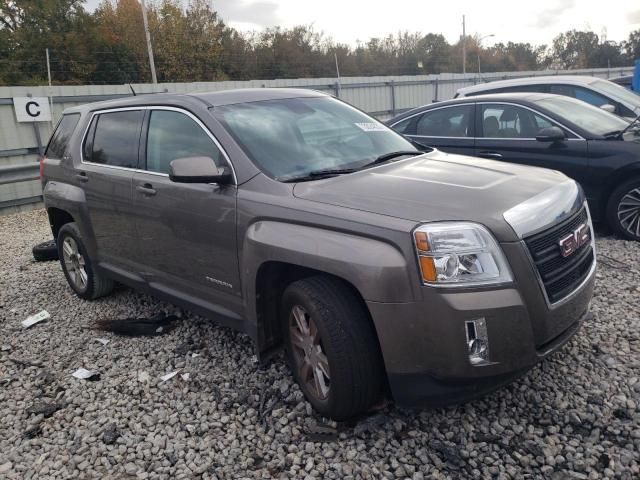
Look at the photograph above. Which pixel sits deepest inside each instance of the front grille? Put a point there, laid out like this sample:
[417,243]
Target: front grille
[560,275]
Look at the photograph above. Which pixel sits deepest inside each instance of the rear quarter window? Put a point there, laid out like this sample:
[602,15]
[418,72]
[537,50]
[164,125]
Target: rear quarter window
[59,143]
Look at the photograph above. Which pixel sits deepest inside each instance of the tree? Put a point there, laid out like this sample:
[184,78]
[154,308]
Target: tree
[573,49]
[632,46]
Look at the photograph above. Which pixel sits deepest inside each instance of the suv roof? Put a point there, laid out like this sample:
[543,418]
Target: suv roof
[212,99]
[562,79]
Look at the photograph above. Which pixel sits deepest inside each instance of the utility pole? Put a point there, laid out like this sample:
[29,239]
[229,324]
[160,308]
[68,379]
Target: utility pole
[335,56]
[49,76]
[464,46]
[152,64]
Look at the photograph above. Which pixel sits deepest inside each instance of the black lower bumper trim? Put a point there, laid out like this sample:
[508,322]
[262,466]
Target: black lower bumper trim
[421,390]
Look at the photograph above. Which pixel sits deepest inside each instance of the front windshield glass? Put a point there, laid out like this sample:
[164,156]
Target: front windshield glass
[619,93]
[592,119]
[293,137]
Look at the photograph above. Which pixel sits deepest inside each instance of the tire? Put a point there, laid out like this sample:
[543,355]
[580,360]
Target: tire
[623,210]
[45,251]
[351,369]
[78,267]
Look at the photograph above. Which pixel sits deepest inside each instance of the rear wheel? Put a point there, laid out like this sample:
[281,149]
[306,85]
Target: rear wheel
[77,266]
[623,209]
[331,347]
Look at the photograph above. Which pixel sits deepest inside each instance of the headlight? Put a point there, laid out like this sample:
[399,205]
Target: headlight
[459,253]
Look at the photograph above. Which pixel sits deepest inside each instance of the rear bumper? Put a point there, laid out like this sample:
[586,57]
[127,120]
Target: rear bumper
[425,349]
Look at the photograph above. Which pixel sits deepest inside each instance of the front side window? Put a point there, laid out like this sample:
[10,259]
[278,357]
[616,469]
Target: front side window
[511,121]
[592,119]
[113,137]
[175,135]
[290,137]
[445,122]
[60,139]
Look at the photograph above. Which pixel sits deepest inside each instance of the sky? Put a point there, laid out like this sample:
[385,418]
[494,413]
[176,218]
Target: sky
[353,21]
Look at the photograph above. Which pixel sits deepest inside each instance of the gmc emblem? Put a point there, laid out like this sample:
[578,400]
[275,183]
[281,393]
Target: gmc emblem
[573,241]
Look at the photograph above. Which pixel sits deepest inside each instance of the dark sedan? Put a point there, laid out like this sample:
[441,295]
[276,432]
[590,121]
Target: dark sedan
[599,150]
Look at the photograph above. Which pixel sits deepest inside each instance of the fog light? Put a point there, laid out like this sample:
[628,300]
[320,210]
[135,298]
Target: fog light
[477,342]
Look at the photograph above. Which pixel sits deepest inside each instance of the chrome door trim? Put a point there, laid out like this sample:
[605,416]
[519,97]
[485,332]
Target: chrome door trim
[151,107]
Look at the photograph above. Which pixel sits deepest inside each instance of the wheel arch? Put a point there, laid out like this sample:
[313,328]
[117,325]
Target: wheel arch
[620,176]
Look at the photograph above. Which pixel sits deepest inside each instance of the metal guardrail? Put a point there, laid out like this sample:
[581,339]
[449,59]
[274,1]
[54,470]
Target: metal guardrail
[19,173]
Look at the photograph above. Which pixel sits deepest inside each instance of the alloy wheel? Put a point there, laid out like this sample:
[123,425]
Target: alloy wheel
[310,359]
[629,212]
[74,263]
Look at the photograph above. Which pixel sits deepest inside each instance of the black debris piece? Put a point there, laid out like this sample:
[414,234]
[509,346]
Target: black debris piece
[449,453]
[134,327]
[320,432]
[45,408]
[110,434]
[33,432]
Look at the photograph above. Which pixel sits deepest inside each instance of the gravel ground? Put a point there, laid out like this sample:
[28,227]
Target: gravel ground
[573,416]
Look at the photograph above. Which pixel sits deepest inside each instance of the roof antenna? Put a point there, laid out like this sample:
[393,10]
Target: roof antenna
[132,90]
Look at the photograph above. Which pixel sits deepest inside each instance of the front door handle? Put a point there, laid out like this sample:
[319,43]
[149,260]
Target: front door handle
[490,155]
[146,189]
[82,177]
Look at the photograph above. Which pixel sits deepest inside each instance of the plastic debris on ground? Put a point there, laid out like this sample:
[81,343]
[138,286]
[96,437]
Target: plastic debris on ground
[102,341]
[37,318]
[84,374]
[169,376]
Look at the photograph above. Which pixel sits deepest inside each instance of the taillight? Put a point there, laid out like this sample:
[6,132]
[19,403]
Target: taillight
[42,167]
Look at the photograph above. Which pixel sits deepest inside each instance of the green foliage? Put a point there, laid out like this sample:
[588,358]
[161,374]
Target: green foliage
[192,43]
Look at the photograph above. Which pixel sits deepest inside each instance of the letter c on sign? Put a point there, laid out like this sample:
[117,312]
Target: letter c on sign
[35,112]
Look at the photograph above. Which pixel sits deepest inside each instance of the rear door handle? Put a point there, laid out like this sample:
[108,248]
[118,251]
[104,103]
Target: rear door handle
[490,155]
[82,177]
[146,189]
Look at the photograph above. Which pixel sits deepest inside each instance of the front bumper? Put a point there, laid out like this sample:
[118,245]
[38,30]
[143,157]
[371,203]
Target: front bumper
[424,343]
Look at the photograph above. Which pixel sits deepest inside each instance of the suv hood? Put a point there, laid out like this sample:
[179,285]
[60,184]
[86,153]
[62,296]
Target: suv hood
[440,186]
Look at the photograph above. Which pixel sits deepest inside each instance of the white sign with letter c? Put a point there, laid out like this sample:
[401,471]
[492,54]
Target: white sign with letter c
[32,109]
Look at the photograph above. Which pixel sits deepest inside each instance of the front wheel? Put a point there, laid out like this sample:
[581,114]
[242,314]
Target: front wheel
[331,347]
[78,267]
[623,210]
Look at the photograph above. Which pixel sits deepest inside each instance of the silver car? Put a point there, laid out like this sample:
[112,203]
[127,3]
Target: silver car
[596,91]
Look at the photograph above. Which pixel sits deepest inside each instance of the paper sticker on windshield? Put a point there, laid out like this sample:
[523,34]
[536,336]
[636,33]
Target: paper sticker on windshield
[371,127]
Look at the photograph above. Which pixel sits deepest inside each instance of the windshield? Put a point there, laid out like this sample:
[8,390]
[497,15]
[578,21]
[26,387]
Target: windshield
[592,119]
[619,93]
[293,137]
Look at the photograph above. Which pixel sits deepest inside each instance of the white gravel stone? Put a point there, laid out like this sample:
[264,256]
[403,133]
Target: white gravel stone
[573,416]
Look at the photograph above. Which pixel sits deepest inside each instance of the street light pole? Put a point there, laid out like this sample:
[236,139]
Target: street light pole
[480,46]
[152,64]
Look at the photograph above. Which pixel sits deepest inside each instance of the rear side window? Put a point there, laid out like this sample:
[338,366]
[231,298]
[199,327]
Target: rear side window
[175,135]
[446,122]
[113,138]
[60,139]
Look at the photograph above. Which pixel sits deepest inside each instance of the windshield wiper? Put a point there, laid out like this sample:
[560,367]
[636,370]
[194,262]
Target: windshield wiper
[628,127]
[613,134]
[391,155]
[317,174]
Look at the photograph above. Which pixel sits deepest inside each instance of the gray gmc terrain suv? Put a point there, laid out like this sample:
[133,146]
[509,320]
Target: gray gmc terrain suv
[301,221]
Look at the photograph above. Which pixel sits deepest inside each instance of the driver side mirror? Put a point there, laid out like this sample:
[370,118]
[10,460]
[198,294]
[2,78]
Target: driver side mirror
[607,107]
[551,134]
[198,170]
